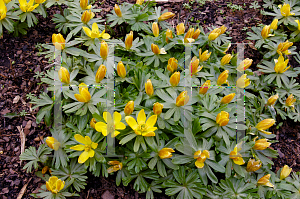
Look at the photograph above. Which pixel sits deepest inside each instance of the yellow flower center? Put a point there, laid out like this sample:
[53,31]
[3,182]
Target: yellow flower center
[143,127]
[87,147]
[110,128]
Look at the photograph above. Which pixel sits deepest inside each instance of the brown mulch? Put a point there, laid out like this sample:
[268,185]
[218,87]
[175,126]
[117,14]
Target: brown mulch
[20,60]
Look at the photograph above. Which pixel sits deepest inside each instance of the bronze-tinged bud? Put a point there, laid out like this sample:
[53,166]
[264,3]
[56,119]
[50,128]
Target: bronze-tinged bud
[121,69]
[290,100]
[157,108]
[165,153]
[204,88]
[227,99]
[87,16]
[93,123]
[261,144]
[64,75]
[169,35]
[104,50]
[101,72]
[182,99]
[174,79]
[172,64]
[155,29]
[180,29]
[155,49]
[128,40]
[265,124]
[149,87]
[117,10]
[265,180]
[196,34]
[165,16]
[253,165]
[129,108]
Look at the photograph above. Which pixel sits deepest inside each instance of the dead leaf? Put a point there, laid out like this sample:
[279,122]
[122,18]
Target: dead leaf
[16,99]
[21,193]
[22,137]
[5,111]
[38,138]
[27,127]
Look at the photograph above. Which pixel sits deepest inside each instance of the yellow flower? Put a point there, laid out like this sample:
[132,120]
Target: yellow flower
[196,34]
[182,99]
[87,16]
[149,87]
[155,49]
[169,34]
[54,184]
[116,166]
[139,2]
[45,169]
[285,172]
[165,16]
[204,87]
[104,50]
[94,33]
[3,10]
[111,126]
[265,33]
[264,125]
[155,29]
[236,156]
[223,29]
[172,64]
[201,157]
[214,34]
[117,10]
[86,146]
[273,25]
[121,69]
[298,22]
[142,127]
[195,66]
[58,41]
[129,108]
[281,65]
[100,74]
[157,108]
[245,64]
[283,47]
[265,181]
[84,94]
[226,59]
[204,56]
[222,118]
[174,79]
[222,79]
[290,100]
[165,153]
[7,1]
[253,165]
[285,10]
[84,5]
[53,143]
[261,144]
[272,100]
[64,75]
[188,36]
[93,123]
[243,81]
[27,7]
[180,29]
[128,40]
[226,99]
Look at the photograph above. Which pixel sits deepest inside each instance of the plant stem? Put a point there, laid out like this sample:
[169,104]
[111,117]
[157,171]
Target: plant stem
[61,10]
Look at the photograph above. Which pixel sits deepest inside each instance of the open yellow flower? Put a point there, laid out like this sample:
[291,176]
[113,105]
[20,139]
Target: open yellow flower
[116,166]
[54,184]
[283,47]
[27,7]
[7,1]
[281,65]
[265,181]
[84,94]
[253,165]
[53,143]
[264,125]
[285,172]
[285,10]
[86,146]
[3,10]
[236,156]
[111,126]
[142,127]
[94,33]
[165,153]
[139,2]
[201,157]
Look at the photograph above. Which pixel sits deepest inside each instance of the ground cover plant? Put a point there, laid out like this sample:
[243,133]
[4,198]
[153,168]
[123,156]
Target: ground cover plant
[169,110]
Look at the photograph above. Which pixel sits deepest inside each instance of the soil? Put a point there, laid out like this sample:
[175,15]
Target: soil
[20,61]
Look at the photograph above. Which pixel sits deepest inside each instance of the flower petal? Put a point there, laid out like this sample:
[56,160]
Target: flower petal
[88,140]
[104,132]
[94,145]
[116,133]
[83,157]
[87,31]
[107,117]
[117,117]
[79,138]
[78,147]
[148,134]
[131,122]
[239,161]
[141,119]
[79,98]
[120,126]
[99,126]
[199,165]
[105,36]
[151,121]
[91,153]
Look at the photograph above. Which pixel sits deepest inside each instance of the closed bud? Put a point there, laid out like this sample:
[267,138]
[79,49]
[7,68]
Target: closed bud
[121,69]
[265,33]
[52,143]
[174,79]
[243,81]
[87,16]
[222,118]
[195,66]
[245,64]
[261,144]
[45,169]
[188,36]
[36,1]
[139,2]
[223,29]
[204,88]
[3,10]
[129,108]
[272,100]
[180,29]
[165,16]
[214,34]
[283,47]
[290,100]
[182,99]
[116,166]
[117,10]
[298,23]
[196,34]
[104,50]
[58,41]
[285,10]
[204,56]
[157,108]
[64,75]
[264,125]
[155,49]
[285,172]
[128,40]
[169,34]
[155,29]
[84,94]
[172,64]
[226,99]
[93,123]
[149,87]
[222,79]
[226,59]
[165,153]
[101,72]
[84,5]
[265,181]
[253,165]
[273,25]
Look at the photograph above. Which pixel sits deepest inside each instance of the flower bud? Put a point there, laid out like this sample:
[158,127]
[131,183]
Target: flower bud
[188,36]
[290,100]
[121,69]
[226,99]
[196,34]
[54,184]
[169,35]
[180,29]
[101,72]
[84,94]
[261,144]
[174,79]
[203,56]
[273,25]
[116,166]
[272,100]
[298,22]
[222,118]
[281,65]
[139,2]
[182,99]
[104,50]
[243,82]
[87,16]
[172,64]
[245,64]
[129,108]
[253,165]
[285,10]
[157,108]
[117,10]
[222,79]
[283,47]
[214,34]
[84,5]
[204,87]
[223,29]
[264,125]
[155,49]
[52,143]
[45,169]
[36,1]
[165,153]
[285,172]
[265,181]
[64,75]
[128,40]
[93,123]
[195,66]
[58,41]
[165,16]
[149,87]
[226,59]
[155,29]
[265,33]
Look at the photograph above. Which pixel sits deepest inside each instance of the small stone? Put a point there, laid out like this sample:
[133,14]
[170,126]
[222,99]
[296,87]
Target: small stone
[107,195]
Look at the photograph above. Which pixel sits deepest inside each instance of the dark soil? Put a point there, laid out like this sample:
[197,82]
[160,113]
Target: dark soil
[20,60]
